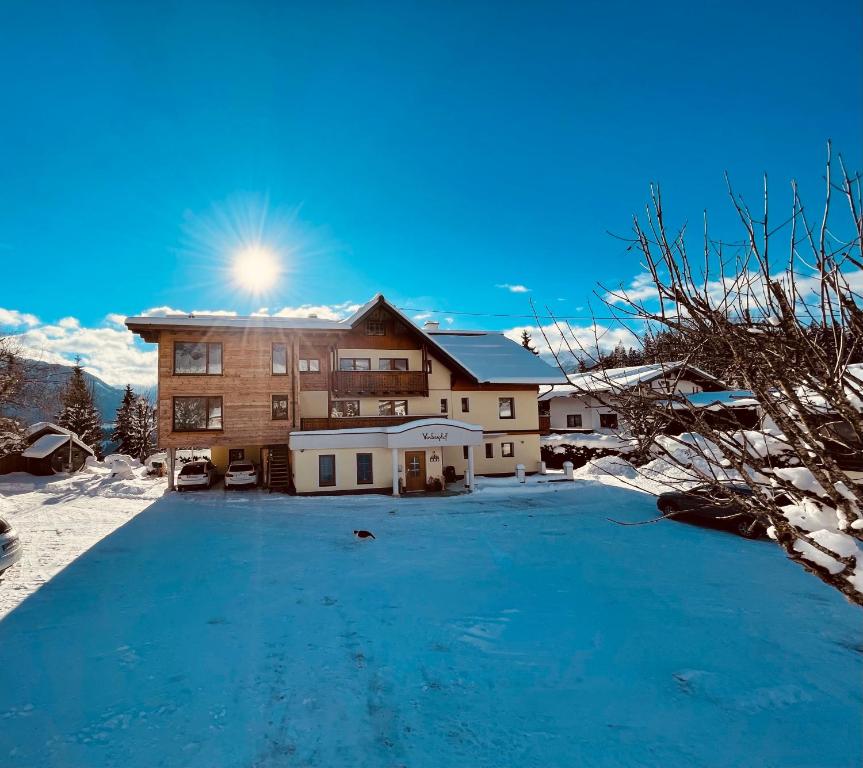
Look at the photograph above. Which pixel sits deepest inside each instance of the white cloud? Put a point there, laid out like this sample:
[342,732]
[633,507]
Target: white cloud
[12,318]
[109,351]
[640,289]
[171,312]
[517,288]
[322,311]
[423,316]
[583,340]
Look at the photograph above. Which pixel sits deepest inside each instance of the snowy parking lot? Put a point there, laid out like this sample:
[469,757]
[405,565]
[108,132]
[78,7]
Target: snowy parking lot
[517,626]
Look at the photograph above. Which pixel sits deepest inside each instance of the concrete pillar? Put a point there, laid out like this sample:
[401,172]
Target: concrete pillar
[395,452]
[519,472]
[468,479]
[567,470]
[170,455]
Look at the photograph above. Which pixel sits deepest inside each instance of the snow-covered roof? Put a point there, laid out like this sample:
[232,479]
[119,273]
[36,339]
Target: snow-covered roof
[41,426]
[233,321]
[47,444]
[493,358]
[733,398]
[620,379]
[490,357]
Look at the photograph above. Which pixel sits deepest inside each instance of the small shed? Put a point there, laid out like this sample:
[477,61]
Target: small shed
[53,449]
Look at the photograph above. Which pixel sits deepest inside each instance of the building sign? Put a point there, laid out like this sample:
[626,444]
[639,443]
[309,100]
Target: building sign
[435,437]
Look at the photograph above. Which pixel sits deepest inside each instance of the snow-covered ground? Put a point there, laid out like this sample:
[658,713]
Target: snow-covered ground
[60,517]
[516,626]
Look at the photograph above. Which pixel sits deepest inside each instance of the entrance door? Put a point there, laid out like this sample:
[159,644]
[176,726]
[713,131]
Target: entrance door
[415,471]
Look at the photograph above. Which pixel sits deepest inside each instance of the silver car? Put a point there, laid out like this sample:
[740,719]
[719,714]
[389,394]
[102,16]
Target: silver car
[10,546]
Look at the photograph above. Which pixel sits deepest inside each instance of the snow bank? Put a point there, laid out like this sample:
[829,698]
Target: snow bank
[594,440]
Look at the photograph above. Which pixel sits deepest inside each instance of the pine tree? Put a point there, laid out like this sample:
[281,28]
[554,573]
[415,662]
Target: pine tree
[142,429]
[526,342]
[79,413]
[122,434]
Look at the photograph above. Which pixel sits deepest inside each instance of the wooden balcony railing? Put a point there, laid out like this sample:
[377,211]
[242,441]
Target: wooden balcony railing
[352,422]
[380,383]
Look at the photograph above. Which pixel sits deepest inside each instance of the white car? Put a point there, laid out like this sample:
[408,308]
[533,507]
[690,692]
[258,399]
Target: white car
[10,546]
[197,474]
[241,474]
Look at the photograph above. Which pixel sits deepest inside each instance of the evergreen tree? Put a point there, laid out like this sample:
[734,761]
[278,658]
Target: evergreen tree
[142,429]
[122,434]
[78,412]
[526,342]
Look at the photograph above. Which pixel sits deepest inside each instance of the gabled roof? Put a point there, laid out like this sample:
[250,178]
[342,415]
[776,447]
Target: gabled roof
[621,379]
[487,357]
[46,426]
[491,357]
[47,444]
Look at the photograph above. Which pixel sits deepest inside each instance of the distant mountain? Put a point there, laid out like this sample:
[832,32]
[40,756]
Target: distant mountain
[55,376]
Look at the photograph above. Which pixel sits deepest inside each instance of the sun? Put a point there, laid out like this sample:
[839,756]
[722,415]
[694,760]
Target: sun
[256,269]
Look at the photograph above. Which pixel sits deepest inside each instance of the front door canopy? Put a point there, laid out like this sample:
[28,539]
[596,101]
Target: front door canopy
[414,434]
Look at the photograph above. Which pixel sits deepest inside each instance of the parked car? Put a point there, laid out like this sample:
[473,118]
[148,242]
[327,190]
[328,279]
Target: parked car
[241,474]
[197,474]
[10,545]
[712,505]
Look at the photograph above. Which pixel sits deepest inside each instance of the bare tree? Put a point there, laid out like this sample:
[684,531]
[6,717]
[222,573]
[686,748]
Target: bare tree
[781,308]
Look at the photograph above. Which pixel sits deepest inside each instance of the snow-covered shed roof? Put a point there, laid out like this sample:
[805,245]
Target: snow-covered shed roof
[620,379]
[46,426]
[47,444]
[492,357]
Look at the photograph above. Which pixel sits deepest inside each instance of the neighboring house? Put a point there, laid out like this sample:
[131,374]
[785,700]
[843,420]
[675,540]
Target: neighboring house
[49,449]
[370,403]
[586,403]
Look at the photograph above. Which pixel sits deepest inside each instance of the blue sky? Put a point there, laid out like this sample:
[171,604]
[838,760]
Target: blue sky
[432,151]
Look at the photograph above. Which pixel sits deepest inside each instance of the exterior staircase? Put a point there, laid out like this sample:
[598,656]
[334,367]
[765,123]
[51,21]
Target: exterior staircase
[280,469]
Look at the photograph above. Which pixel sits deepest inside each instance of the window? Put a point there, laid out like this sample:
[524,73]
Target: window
[608,421]
[344,408]
[507,450]
[355,364]
[489,450]
[464,452]
[444,405]
[236,454]
[280,359]
[280,407]
[326,469]
[393,364]
[364,469]
[310,365]
[376,328]
[506,407]
[197,358]
[573,420]
[465,405]
[392,407]
[197,414]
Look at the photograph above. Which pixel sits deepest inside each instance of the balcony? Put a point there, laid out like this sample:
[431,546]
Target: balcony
[354,422]
[376,383]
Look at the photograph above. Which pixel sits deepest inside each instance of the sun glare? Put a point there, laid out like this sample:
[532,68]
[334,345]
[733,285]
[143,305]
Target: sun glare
[256,269]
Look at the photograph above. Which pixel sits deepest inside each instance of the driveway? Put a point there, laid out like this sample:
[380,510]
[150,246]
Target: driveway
[517,626]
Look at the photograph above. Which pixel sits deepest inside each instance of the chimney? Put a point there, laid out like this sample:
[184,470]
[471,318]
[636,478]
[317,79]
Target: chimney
[431,325]
[313,317]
